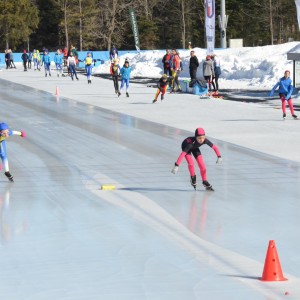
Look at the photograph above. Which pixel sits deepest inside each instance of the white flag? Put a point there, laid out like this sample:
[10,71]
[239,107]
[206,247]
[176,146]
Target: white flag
[297,2]
[210,25]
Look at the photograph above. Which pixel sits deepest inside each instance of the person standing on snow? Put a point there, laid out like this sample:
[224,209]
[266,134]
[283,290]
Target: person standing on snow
[125,73]
[191,146]
[5,132]
[175,68]
[285,92]
[208,71]
[166,63]
[217,71]
[194,64]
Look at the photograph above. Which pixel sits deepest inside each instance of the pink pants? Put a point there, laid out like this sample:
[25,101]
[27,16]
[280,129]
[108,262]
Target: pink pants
[200,163]
[283,105]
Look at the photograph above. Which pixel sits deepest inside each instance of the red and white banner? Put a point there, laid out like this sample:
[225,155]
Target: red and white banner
[210,25]
[297,2]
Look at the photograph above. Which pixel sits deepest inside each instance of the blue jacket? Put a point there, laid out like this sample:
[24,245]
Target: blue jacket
[125,72]
[285,87]
[3,144]
[46,59]
[58,58]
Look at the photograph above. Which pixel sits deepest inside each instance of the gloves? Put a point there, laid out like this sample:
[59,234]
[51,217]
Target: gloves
[175,169]
[219,160]
[23,134]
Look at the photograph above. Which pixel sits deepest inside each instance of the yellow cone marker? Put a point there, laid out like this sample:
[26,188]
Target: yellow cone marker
[107,187]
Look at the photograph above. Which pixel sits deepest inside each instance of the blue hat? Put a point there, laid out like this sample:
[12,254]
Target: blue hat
[3,126]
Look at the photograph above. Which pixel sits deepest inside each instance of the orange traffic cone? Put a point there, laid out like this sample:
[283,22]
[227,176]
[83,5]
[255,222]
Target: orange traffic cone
[272,269]
[57,91]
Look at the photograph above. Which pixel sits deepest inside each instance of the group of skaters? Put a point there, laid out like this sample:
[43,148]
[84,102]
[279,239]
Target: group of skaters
[63,58]
[117,72]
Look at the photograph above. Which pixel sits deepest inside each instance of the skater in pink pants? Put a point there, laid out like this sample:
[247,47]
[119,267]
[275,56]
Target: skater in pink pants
[285,92]
[191,146]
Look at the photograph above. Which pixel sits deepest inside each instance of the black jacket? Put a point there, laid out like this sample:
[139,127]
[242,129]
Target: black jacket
[194,63]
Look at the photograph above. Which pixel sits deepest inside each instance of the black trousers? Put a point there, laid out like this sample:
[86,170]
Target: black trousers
[193,73]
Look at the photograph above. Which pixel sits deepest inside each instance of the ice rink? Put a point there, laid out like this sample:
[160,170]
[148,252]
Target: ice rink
[154,237]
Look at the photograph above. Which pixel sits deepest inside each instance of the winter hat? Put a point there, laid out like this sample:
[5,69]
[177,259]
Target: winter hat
[199,131]
[164,76]
[3,126]
[208,57]
[24,51]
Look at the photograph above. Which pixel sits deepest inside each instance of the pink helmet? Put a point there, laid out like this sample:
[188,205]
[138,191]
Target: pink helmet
[199,131]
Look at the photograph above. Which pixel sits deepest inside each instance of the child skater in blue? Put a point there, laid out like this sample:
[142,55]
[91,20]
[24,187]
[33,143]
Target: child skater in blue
[47,62]
[5,132]
[58,62]
[285,92]
[125,73]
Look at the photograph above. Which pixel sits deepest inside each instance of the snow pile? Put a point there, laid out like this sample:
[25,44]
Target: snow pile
[252,67]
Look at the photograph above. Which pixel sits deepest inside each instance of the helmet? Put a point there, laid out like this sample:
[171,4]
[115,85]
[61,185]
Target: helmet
[164,76]
[3,126]
[199,131]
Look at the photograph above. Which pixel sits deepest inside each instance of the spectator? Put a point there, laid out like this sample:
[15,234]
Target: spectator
[217,71]
[194,64]
[208,71]
[166,63]
[176,68]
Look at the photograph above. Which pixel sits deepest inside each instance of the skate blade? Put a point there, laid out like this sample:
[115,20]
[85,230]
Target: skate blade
[209,189]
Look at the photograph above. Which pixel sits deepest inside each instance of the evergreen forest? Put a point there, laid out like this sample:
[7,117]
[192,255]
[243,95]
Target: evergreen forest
[97,24]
